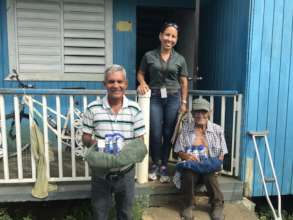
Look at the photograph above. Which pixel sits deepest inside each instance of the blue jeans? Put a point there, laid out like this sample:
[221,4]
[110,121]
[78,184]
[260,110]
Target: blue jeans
[163,116]
[103,190]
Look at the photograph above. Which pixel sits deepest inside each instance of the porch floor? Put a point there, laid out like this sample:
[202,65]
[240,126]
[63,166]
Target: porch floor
[158,194]
[54,170]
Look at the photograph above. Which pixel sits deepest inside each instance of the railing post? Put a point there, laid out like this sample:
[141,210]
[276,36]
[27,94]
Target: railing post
[142,168]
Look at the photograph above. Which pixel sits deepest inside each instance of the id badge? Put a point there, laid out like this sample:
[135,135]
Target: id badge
[101,145]
[164,92]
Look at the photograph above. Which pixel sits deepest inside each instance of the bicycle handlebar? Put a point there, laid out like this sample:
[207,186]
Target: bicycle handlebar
[20,83]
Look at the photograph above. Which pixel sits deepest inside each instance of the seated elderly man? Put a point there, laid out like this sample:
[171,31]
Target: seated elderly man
[201,145]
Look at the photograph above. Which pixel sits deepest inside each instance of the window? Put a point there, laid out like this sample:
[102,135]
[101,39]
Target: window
[68,40]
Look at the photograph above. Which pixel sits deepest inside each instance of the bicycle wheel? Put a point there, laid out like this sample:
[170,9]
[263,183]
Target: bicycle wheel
[11,133]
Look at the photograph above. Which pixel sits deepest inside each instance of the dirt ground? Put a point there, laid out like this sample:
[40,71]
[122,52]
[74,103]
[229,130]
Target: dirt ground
[240,210]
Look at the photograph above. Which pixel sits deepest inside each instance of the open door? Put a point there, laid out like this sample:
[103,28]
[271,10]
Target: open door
[149,22]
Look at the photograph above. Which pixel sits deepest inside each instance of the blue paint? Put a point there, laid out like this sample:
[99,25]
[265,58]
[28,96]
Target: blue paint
[222,44]
[269,88]
[124,43]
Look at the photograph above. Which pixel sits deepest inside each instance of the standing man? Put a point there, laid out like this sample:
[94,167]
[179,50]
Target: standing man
[106,119]
[199,140]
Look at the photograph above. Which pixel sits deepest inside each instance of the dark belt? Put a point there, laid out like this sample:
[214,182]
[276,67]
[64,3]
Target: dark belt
[119,174]
[169,91]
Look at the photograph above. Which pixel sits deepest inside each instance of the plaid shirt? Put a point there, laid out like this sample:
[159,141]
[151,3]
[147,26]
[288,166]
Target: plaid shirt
[214,135]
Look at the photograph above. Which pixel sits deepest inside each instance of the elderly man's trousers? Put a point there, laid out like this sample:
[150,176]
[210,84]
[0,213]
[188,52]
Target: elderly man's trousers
[191,179]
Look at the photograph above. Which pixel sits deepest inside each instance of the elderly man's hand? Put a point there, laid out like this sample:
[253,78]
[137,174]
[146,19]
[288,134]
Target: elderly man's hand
[187,156]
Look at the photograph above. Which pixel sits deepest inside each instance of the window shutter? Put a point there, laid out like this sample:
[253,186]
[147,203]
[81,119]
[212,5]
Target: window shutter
[38,36]
[84,36]
[60,39]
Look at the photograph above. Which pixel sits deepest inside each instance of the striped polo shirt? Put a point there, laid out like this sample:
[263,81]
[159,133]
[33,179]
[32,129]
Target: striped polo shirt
[99,119]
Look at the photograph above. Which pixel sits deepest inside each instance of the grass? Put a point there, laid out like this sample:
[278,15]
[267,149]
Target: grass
[61,210]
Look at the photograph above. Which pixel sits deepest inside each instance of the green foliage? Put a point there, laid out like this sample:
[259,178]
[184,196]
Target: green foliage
[4,215]
[265,213]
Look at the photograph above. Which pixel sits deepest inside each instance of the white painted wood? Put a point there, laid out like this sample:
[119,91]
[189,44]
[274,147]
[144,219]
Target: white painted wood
[31,121]
[84,69]
[84,25]
[86,166]
[4,138]
[28,13]
[40,32]
[18,138]
[84,51]
[142,168]
[40,50]
[86,8]
[212,103]
[55,29]
[36,41]
[39,5]
[73,162]
[233,133]
[45,133]
[11,38]
[34,23]
[71,42]
[38,68]
[59,140]
[223,111]
[109,33]
[80,16]
[84,60]
[84,34]
[238,134]
[85,1]
[30,59]
[55,76]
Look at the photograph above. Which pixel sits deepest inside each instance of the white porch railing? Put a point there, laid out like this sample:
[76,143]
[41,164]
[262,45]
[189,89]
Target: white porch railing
[57,114]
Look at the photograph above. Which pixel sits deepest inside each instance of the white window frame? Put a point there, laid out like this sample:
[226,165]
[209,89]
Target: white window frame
[59,76]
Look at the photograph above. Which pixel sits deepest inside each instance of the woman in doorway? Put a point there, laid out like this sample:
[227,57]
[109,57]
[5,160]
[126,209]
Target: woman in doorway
[167,72]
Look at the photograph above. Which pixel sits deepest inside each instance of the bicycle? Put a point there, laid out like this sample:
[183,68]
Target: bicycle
[51,121]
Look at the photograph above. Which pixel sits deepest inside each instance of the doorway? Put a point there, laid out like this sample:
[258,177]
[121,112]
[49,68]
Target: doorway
[149,22]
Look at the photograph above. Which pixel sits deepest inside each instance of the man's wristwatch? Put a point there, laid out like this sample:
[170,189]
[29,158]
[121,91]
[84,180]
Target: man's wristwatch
[184,101]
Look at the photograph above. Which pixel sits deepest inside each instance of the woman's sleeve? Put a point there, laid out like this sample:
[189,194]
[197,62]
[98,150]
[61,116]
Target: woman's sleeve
[143,64]
[183,70]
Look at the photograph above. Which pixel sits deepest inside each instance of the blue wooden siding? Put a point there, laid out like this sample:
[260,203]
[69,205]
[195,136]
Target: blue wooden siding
[124,43]
[223,44]
[269,90]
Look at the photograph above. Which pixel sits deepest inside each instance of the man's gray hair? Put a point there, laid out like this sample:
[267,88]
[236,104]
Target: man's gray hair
[114,68]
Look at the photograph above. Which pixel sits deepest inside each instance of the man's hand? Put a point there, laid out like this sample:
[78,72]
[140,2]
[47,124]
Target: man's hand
[221,157]
[187,156]
[87,140]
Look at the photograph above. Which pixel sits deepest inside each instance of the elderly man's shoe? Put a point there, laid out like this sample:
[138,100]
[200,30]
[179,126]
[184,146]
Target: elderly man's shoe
[217,212]
[187,213]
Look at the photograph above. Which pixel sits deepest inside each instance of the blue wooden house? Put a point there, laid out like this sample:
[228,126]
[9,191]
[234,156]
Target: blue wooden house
[243,46]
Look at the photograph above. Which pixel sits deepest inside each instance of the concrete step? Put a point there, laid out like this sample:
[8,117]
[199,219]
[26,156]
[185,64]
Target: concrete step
[163,194]
[232,210]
